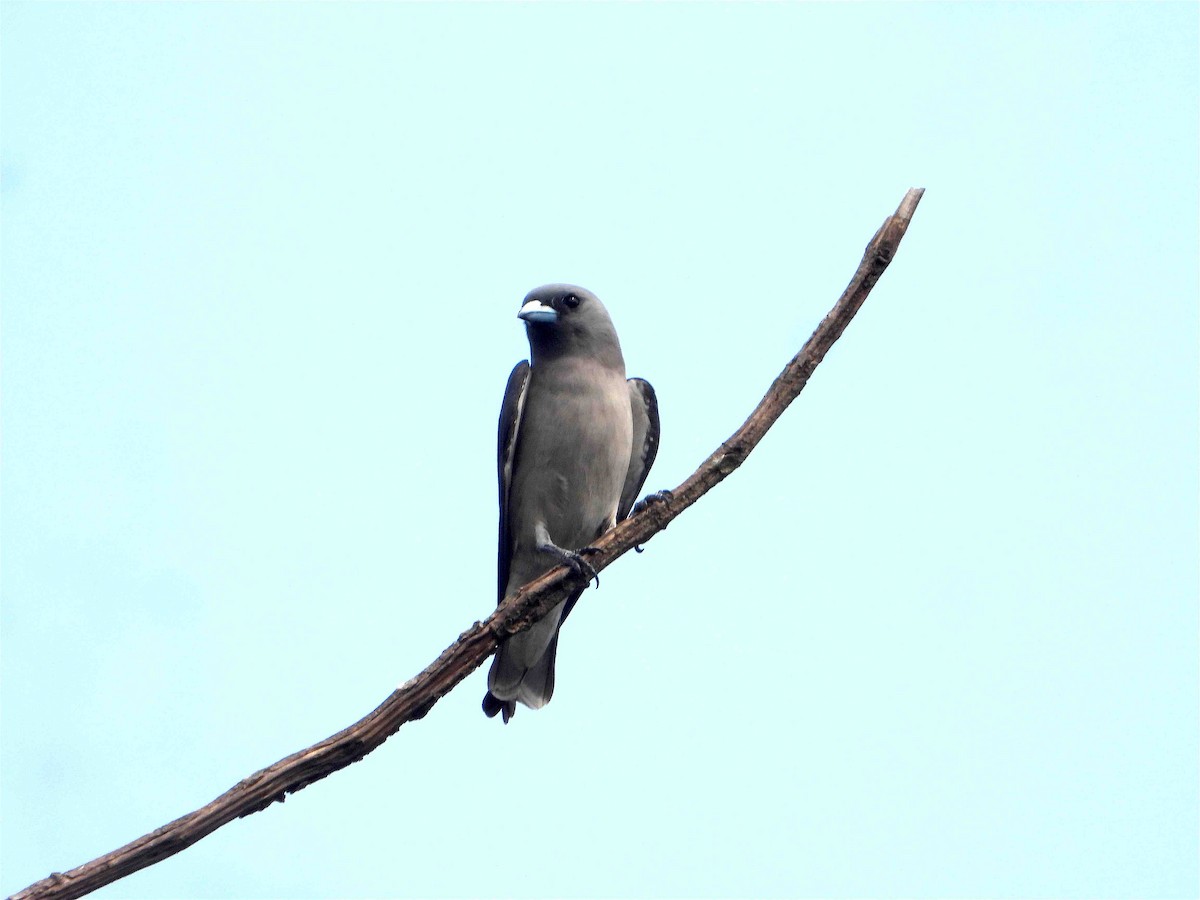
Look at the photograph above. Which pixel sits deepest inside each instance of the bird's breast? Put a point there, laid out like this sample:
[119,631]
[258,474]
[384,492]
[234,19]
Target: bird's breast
[572,454]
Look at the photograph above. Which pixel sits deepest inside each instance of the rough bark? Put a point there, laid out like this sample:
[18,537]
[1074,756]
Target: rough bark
[416,697]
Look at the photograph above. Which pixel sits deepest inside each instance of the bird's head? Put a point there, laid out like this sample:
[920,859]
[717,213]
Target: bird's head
[563,319]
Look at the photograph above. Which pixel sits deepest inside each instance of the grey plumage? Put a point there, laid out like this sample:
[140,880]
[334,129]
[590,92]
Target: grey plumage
[576,441]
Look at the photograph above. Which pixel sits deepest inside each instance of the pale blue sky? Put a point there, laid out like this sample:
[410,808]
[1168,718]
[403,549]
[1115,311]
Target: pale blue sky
[260,272]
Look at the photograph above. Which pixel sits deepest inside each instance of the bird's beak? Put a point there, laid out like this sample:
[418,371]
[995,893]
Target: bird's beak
[537,311]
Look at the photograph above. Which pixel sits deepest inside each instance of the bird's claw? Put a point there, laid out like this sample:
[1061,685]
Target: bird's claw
[663,496]
[574,560]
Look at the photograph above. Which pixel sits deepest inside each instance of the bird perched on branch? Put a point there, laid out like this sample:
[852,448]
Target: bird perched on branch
[576,442]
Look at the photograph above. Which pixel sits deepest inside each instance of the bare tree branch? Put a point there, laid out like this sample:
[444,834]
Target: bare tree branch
[416,697]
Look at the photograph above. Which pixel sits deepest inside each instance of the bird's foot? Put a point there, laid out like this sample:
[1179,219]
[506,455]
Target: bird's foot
[573,559]
[663,496]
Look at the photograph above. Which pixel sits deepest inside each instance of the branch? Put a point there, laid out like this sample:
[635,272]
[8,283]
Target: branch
[416,697]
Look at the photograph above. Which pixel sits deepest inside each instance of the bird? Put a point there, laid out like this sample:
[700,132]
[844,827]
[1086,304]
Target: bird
[576,441]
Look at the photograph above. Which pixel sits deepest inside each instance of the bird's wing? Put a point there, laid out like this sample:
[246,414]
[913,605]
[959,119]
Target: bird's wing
[506,449]
[645,442]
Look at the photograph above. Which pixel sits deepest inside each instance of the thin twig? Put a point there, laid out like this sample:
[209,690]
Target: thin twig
[417,696]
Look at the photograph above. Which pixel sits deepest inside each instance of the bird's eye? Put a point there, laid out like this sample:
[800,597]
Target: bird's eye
[571,300]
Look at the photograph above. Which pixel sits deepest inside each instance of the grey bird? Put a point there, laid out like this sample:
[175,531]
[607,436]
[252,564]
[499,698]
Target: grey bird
[576,442]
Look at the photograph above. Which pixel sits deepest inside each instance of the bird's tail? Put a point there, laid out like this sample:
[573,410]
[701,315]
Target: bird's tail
[491,706]
[523,668]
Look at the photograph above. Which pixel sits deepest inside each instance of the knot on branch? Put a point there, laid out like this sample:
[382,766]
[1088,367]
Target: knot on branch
[421,710]
[515,618]
[731,455]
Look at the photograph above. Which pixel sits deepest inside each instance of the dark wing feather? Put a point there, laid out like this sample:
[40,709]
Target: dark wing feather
[506,448]
[645,442]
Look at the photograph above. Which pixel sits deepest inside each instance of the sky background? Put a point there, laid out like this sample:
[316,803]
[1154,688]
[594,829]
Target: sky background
[936,638]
